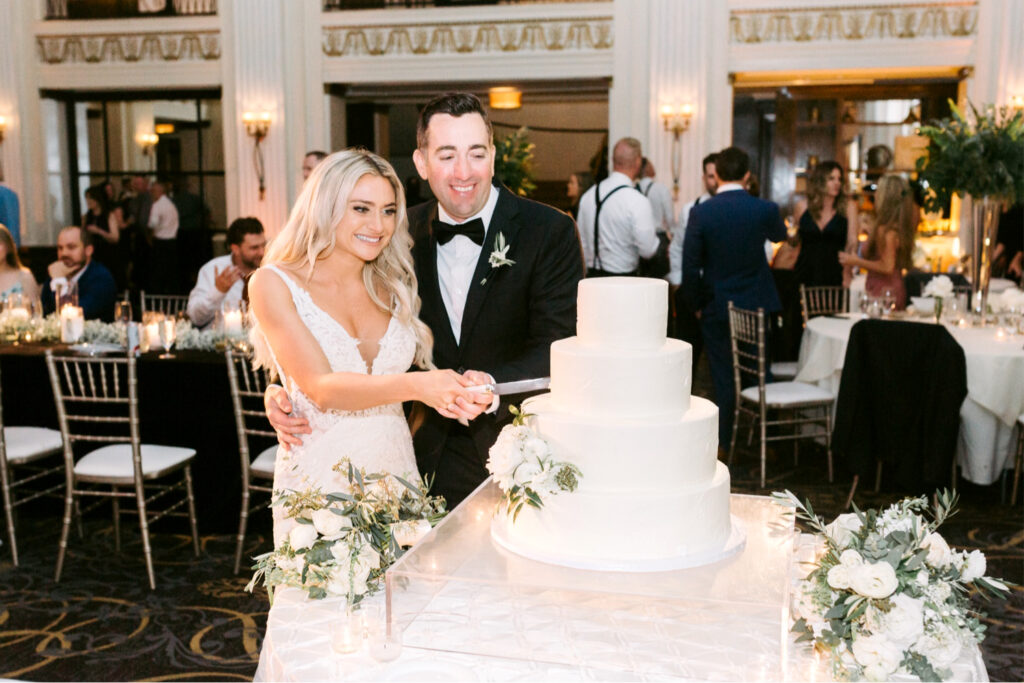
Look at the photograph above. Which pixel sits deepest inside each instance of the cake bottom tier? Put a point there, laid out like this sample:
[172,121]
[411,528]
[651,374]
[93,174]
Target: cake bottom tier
[626,532]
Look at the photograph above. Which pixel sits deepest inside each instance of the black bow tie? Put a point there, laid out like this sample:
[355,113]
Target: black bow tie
[473,229]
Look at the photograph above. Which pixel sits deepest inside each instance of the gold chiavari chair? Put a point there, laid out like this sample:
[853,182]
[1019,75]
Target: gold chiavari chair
[816,301]
[97,402]
[247,387]
[747,332]
[168,304]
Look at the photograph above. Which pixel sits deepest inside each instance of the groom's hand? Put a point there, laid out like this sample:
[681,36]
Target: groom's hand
[279,408]
[483,401]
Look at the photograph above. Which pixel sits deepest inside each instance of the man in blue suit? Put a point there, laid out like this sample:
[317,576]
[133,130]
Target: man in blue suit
[724,260]
[96,289]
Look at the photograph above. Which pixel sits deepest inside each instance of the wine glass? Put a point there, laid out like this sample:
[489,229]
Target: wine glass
[888,302]
[123,311]
[166,337]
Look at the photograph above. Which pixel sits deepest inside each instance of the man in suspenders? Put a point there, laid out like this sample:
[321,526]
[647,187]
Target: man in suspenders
[615,221]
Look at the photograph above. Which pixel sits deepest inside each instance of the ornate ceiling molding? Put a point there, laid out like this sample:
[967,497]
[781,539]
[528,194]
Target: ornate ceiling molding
[134,48]
[476,37]
[922,20]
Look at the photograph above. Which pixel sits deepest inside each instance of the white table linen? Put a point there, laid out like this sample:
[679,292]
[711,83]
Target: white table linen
[297,648]
[995,387]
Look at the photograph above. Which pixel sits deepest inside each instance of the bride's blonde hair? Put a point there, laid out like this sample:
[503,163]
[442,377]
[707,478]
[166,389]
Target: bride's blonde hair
[309,236]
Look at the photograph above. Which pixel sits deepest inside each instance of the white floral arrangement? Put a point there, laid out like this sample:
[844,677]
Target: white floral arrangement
[887,595]
[1011,299]
[47,330]
[522,465]
[939,288]
[342,543]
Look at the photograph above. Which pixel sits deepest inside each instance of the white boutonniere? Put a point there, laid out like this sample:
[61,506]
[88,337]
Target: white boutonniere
[499,256]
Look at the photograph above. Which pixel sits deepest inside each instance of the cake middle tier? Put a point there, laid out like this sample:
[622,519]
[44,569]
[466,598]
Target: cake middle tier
[650,455]
[606,382]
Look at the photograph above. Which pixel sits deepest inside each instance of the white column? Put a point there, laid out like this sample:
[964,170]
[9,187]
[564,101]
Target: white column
[668,51]
[998,53]
[304,87]
[21,154]
[254,80]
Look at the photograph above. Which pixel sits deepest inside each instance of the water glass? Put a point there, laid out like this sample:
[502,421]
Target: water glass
[166,335]
[123,311]
[888,302]
[346,632]
[384,639]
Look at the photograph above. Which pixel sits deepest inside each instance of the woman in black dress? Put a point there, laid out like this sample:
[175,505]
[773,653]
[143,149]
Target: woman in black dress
[827,223]
[104,225]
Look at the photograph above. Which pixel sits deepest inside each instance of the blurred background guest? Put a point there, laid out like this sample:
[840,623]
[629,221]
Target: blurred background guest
[104,225]
[891,244]
[309,162]
[222,280]
[10,211]
[194,248]
[14,277]
[579,183]
[96,289]
[163,226]
[827,224]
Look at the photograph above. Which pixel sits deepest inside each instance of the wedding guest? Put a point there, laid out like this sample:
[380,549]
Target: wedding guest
[136,239]
[1006,258]
[579,182]
[14,277]
[194,247]
[96,288]
[659,196]
[163,226]
[104,226]
[687,326]
[827,224]
[310,161]
[723,261]
[10,211]
[617,228]
[222,279]
[891,245]
[500,319]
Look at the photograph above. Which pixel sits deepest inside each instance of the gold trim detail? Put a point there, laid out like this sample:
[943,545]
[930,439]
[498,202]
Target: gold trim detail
[551,35]
[924,20]
[185,46]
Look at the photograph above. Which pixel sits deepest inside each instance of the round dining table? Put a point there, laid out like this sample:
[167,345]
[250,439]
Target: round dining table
[995,386]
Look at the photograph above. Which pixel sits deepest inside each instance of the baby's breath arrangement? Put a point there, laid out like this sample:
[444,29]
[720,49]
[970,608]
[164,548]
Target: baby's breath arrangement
[887,595]
[521,463]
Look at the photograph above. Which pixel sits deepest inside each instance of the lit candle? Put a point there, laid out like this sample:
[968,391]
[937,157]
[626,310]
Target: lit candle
[233,323]
[152,335]
[72,324]
[1000,334]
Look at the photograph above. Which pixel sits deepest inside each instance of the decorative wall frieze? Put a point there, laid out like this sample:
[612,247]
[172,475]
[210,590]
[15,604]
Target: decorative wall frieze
[907,21]
[509,36]
[113,48]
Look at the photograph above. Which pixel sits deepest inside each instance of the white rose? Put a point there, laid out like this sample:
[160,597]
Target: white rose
[526,472]
[302,536]
[506,454]
[938,550]
[875,652]
[535,448]
[941,646]
[839,577]
[851,558]
[940,286]
[409,533]
[940,592]
[904,623]
[842,529]
[338,581]
[330,525]
[874,580]
[975,567]
[922,577]
[290,564]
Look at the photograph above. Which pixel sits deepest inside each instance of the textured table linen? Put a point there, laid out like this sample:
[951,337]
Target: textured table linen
[995,388]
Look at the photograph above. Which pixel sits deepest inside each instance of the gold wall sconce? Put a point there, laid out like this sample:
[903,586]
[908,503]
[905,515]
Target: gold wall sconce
[257,125]
[147,141]
[676,120]
[3,127]
[1016,102]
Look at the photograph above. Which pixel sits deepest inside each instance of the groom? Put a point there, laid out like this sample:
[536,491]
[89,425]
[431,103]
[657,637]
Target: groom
[497,279]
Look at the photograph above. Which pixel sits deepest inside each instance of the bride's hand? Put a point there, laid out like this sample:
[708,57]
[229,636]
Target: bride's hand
[279,408]
[441,389]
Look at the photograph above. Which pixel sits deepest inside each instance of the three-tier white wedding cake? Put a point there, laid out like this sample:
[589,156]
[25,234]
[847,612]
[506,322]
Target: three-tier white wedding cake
[652,495]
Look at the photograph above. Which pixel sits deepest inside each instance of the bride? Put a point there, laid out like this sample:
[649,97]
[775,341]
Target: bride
[335,309]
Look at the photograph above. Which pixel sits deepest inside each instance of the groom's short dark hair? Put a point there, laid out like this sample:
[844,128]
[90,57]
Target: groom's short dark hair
[454,104]
[731,164]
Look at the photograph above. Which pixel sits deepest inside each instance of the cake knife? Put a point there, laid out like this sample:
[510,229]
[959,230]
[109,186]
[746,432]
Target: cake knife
[518,387]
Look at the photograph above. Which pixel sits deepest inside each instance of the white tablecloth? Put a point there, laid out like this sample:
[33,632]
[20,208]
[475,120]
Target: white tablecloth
[995,388]
[297,648]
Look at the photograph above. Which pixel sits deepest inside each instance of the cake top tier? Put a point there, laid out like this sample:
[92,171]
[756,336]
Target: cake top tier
[624,312]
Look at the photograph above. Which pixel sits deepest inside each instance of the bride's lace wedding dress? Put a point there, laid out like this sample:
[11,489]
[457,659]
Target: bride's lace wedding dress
[376,439]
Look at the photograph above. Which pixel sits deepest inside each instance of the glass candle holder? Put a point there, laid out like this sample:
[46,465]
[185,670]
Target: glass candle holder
[346,632]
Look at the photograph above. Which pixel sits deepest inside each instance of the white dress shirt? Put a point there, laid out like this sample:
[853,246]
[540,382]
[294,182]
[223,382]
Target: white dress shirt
[205,299]
[661,203]
[456,262]
[627,226]
[675,247]
[163,219]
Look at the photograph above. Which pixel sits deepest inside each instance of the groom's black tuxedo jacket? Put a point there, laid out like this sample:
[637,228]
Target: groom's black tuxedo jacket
[512,313]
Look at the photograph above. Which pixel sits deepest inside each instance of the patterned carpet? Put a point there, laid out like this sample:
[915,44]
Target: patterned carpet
[102,623]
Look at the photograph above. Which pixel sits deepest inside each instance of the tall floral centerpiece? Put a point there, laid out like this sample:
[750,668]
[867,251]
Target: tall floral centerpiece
[979,154]
[513,162]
